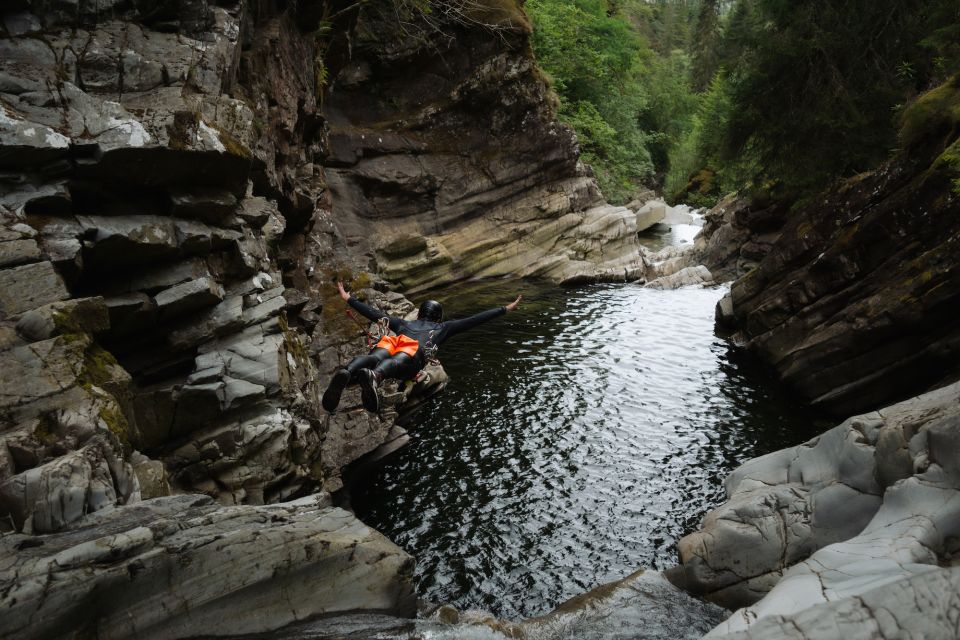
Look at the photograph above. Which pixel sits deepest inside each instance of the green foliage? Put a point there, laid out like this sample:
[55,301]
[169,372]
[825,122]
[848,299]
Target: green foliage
[806,92]
[621,74]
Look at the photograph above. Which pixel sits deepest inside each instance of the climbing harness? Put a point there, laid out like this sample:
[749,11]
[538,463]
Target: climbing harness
[375,331]
[430,350]
[380,328]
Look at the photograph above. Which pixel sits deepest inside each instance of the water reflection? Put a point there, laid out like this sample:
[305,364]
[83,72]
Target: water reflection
[578,440]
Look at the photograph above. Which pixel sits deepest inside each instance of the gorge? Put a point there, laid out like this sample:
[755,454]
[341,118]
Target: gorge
[182,183]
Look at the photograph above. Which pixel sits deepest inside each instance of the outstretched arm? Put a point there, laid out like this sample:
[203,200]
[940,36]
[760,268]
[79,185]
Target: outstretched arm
[370,313]
[454,327]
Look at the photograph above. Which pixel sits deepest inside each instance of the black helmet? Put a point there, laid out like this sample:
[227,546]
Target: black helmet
[430,310]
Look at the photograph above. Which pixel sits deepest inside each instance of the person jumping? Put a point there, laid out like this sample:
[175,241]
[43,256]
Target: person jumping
[400,356]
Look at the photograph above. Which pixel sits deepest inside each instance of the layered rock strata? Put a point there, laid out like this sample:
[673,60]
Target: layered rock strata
[167,319]
[446,161]
[814,536]
[177,566]
[854,305]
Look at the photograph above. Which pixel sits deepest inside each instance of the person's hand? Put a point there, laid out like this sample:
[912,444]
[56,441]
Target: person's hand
[343,292]
[513,305]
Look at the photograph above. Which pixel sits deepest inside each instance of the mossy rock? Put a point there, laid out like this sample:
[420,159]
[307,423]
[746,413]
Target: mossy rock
[933,114]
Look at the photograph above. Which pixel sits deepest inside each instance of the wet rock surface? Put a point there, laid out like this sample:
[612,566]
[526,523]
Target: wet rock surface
[867,512]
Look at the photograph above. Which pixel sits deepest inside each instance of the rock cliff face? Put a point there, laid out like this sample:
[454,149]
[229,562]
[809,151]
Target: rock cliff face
[446,161]
[180,184]
[855,301]
[166,260]
[853,534]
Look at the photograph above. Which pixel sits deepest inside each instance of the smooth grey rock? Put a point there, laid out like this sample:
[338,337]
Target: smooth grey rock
[130,240]
[723,315]
[48,497]
[251,355]
[265,306]
[189,296]
[24,143]
[922,607]
[28,287]
[643,601]
[256,211]
[862,523]
[650,214]
[225,317]
[230,571]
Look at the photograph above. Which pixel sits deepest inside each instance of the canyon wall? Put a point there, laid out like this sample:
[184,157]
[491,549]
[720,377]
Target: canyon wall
[854,295]
[446,160]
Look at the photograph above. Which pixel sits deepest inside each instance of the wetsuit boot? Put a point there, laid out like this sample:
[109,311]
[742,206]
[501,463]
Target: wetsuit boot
[368,389]
[331,397]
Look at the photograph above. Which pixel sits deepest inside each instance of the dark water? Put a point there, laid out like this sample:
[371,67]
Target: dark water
[579,439]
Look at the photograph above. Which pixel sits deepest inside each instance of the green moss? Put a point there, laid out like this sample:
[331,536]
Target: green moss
[292,341]
[804,228]
[45,430]
[98,365]
[65,324]
[183,132]
[847,234]
[231,144]
[333,309]
[99,369]
[949,162]
[936,110]
[117,422]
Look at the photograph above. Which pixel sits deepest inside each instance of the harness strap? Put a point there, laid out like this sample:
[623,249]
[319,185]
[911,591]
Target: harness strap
[383,328]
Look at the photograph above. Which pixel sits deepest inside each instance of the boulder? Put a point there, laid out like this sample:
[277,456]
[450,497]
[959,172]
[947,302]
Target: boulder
[641,601]
[227,571]
[78,315]
[187,297]
[650,213]
[48,497]
[932,599]
[685,277]
[18,251]
[873,502]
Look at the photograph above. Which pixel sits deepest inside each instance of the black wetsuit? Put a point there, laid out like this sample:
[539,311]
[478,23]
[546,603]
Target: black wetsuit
[400,366]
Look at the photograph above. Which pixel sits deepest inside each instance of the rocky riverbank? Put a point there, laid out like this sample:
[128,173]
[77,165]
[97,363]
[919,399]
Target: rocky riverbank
[849,297]
[850,535]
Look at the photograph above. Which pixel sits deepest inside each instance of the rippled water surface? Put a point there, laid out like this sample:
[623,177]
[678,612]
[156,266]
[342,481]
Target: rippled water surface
[579,439]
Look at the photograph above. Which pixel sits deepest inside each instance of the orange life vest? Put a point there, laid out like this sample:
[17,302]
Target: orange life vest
[399,344]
